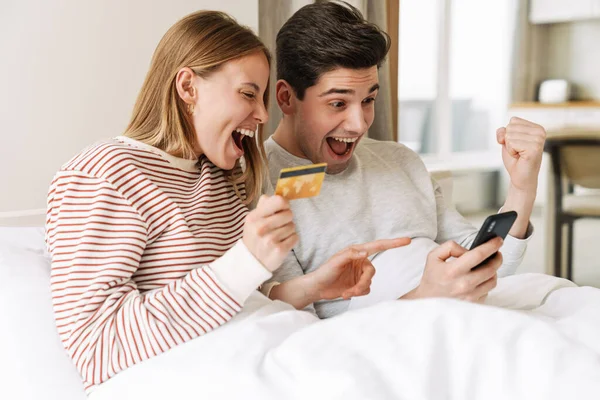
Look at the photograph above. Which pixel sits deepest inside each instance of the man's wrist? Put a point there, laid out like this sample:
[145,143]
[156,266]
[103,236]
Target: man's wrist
[413,294]
[310,288]
[299,292]
[522,202]
[524,197]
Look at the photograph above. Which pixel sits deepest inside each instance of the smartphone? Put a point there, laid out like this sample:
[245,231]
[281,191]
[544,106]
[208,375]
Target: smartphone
[493,226]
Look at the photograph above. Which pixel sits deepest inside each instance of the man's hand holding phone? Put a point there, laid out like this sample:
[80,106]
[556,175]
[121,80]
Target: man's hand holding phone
[458,278]
[453,271]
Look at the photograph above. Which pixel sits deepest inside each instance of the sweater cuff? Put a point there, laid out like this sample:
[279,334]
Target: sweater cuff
[239,272]
[514,247]
[516,241]
[267,287]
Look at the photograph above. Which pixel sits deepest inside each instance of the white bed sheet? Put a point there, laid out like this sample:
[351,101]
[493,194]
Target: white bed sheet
[33,363]
[434,349]
[423,349]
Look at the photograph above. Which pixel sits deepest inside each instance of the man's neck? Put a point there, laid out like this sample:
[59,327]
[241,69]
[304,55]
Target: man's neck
[285,137]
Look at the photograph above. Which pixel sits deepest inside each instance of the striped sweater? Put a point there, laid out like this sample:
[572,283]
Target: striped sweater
[146,254]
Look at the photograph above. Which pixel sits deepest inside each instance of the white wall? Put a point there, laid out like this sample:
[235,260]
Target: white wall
[573,53]
[69,76]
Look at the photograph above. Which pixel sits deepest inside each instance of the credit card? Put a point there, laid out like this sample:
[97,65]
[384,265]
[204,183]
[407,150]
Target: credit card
[300,182]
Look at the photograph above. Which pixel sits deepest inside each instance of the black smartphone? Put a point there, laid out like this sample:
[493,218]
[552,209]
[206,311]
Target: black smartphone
[493,226]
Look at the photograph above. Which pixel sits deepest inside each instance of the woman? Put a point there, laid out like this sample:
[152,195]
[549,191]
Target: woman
[151,239]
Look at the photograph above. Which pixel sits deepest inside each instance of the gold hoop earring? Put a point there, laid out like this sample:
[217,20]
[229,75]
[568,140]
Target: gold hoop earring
[190,109]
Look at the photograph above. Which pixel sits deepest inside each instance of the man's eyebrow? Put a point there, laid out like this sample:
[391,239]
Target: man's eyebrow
[253,85]
[374,88]
[347,91]
[337,91]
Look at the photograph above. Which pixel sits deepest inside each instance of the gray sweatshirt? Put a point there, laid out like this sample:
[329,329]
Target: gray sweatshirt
[386,192]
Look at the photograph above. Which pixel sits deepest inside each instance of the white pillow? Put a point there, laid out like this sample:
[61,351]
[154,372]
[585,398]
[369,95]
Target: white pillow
[23,237]
[33,362]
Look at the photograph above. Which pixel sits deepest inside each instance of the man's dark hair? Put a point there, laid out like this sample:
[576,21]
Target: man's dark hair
[323,36]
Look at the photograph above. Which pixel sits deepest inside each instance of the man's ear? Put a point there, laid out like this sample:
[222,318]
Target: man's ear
[286,97]
[184,82]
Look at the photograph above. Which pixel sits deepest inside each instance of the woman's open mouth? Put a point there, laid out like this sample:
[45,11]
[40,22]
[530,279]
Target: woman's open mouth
[238,137]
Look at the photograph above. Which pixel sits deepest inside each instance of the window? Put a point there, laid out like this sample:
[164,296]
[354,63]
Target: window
[454,69]
[417,72]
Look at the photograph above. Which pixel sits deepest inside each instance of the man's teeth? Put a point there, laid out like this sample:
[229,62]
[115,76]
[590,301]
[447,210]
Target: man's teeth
[346,140]
[246,132]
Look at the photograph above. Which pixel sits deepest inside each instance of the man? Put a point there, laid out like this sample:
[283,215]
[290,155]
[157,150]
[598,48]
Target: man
[327,63]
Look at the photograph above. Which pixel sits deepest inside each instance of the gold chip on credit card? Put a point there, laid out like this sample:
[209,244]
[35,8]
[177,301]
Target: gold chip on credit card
[300,182]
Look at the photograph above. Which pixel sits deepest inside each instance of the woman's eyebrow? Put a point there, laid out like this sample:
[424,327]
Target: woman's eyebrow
[253,85]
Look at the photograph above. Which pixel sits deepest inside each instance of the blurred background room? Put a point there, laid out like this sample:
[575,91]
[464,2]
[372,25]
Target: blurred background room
[458,70]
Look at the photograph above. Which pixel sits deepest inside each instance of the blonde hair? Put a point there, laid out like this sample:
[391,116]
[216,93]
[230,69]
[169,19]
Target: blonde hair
[202,41]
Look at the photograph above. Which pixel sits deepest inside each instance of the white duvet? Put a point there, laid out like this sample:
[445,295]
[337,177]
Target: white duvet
[548,348]
[539,338]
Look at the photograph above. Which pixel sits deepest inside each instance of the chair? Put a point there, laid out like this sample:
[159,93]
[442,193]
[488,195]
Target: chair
[575,159]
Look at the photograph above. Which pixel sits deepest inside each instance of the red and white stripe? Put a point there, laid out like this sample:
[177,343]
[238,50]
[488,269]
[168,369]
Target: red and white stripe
[131,238]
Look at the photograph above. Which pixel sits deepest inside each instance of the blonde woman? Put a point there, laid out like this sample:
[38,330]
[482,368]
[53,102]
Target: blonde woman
[151,239]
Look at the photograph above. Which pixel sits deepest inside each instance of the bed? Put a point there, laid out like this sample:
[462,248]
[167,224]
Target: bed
[537,338]
[33,364]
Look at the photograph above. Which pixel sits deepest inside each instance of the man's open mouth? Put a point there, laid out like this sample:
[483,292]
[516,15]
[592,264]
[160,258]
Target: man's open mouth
[341,145]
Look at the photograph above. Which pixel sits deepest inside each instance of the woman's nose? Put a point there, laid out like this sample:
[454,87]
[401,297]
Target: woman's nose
[261,115]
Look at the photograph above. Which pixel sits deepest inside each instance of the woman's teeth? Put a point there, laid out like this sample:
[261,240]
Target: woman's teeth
[246,132]
[345,140]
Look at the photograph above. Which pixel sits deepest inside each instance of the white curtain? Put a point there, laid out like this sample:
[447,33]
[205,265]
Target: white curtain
[526,56]
[272,14]
[375,11]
